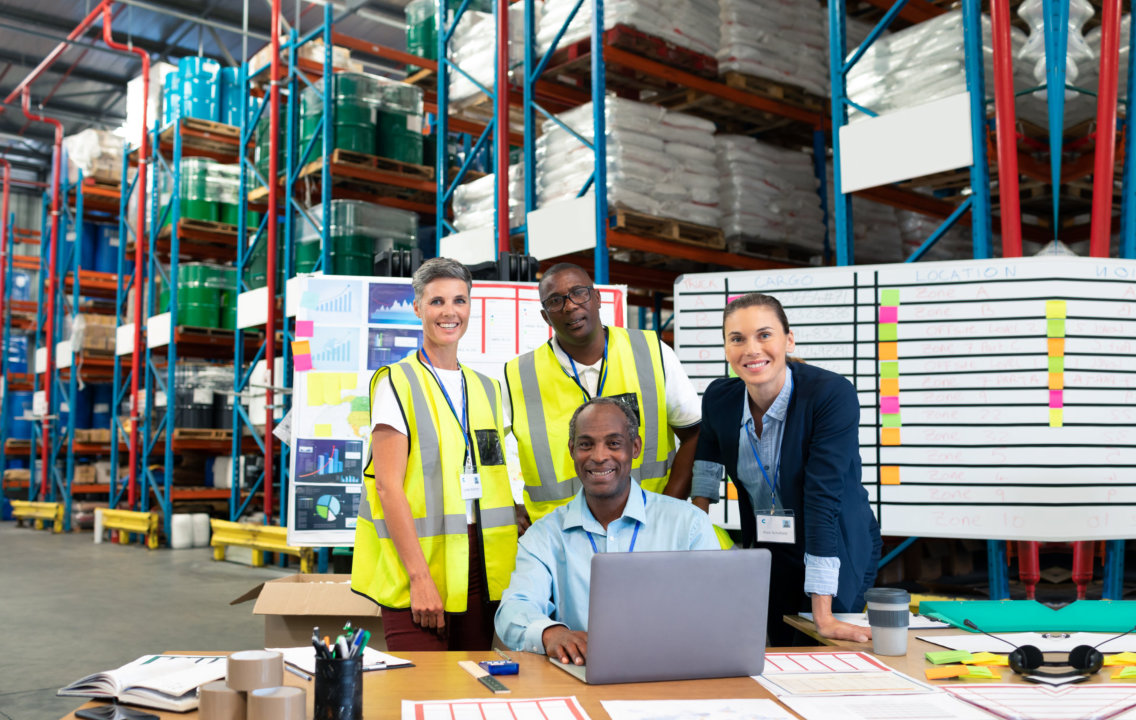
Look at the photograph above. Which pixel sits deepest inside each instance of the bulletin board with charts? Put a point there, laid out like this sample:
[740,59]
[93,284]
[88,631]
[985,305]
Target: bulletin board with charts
[347,328]
[997,397]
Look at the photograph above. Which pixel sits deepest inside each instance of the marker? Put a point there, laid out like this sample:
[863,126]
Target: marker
[297,672]
[341,649]
[355,641]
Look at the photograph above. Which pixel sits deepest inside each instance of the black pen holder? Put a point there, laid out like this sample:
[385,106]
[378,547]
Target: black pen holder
[339,689]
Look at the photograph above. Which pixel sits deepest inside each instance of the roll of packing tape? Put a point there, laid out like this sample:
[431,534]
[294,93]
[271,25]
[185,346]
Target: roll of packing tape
[277,703]
[218,701]
[254,669]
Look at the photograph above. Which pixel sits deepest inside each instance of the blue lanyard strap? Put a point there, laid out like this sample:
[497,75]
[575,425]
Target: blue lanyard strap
[761,465]
[463,420]
[634,535]
[603,372]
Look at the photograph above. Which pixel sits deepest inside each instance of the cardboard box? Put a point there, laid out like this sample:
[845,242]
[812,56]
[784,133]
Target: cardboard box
[293,605]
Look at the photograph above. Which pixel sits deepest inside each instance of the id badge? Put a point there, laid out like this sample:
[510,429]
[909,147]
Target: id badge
[777,527]
[471,486]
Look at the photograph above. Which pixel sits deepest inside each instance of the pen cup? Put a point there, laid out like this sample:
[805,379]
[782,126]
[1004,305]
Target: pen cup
[339,689]
[888,614]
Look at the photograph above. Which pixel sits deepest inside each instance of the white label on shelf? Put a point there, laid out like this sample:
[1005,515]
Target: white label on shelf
[414,123]
[203,396]
[124,339]
[63,354]
[470,247]
[158,330]
[562,228]
[40,360]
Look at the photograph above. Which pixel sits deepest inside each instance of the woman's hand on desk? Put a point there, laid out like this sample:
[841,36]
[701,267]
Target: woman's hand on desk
[565,645]
[828,626]
[426,604]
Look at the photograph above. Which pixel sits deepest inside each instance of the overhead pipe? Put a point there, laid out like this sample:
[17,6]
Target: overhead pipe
[273,189]
[1100,234]
[140,188]
[58,50]
[1006,122]
[49,285]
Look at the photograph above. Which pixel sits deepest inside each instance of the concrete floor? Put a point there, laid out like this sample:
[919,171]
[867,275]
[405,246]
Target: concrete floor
[69,608]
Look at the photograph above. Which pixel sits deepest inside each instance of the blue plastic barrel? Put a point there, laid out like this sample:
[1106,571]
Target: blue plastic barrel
[81,404]
[200,88]
[231,94]
[21,285]
[88,240]
[171,98]
[18,354]
[106,251]
[101,397]
[19,404]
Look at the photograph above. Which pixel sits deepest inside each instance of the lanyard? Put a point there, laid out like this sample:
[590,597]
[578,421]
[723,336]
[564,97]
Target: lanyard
[603,373]
[634,535]
[463,420]
[761,465]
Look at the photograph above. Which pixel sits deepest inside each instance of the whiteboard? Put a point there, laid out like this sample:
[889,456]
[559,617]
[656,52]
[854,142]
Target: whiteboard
[998,397]
[346,328]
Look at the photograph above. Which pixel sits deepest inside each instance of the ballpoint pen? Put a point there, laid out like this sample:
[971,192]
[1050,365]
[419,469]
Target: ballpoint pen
[342,651]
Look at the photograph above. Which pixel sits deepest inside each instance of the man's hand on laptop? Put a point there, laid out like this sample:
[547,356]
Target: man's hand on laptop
[565,645]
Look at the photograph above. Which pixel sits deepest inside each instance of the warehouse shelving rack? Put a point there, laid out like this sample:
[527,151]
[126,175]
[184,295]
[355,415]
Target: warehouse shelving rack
[41,485]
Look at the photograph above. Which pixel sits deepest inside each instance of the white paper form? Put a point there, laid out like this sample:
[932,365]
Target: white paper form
[834,673]
[925,706]
[1045,642]
[1035,702]
[914,622]
[304,657]
[553,708]
[737,709]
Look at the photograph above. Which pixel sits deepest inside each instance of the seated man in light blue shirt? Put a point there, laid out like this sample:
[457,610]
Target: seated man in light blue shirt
[545,608]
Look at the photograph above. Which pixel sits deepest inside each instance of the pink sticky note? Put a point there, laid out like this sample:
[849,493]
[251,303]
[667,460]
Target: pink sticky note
[303,363]
[1056,398]
[889,314]
[304,328]
[889,405]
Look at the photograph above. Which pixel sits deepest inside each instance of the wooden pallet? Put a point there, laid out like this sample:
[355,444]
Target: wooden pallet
[774,90]
[199,239]
[770,249]
[577,55]
[340,156]
[97,436]
[637,223]
[209,434]
[357,176]
[204,137]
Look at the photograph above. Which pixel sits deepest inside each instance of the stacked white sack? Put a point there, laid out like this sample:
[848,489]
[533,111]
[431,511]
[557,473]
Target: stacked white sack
[915,228]
[769,193]
[875,229]
[473,48]
[474,201]
[658,163]
[780,40]
[692,24]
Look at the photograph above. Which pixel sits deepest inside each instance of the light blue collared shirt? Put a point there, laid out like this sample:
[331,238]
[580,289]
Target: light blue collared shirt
[554,558]
[822,574]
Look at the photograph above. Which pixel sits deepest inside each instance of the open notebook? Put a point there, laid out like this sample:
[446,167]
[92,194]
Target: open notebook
[165,682]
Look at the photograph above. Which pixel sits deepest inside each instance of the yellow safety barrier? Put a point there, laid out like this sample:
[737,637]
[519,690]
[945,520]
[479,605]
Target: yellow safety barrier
[130,521]
[39,512]
[261,539]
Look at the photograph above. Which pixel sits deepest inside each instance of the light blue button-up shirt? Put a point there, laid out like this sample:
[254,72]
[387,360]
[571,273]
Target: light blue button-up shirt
[822,574]
[552,578]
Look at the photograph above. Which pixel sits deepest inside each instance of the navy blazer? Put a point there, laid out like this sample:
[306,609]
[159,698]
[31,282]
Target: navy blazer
[820,472]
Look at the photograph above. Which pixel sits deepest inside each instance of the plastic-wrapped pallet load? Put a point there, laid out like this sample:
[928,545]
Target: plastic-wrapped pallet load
[475,203]
[915,228]
[659,163]
[769,194]
[473,48]
[98,153]
[875,229]
[692,24]
[358,231]
[780,40]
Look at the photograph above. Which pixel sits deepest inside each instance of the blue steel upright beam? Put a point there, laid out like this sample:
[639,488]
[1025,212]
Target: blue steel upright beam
[1128,198]
[1056,16]
[976,86]
[121,382]
[599,141]
[529,113]
[841,204]
[9,226]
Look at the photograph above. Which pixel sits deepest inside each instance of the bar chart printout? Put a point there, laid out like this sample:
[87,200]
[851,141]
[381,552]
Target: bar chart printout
[998,397]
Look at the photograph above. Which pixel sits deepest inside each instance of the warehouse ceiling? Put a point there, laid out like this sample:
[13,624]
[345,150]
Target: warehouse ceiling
[86,86]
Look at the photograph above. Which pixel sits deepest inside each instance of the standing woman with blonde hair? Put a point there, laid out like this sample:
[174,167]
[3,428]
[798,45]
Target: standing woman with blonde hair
[787,435]
[436,538]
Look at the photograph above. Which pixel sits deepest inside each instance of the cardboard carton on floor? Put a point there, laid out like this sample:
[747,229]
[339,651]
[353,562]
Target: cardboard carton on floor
[293,605]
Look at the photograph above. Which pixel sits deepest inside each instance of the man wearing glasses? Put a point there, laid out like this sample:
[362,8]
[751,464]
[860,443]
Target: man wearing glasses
[585,359]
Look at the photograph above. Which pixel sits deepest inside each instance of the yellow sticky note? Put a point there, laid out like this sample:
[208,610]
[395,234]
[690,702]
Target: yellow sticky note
[323,430]
[1054,309]
[943,672]
[889,437]
[1125,673]
[315,388]
[987,658]
[331,393]
[1124,658]
[1056,417]
[889,475]
[889,387]
[301,347]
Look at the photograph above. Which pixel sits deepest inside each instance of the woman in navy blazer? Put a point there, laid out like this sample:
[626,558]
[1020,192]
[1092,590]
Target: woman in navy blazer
[809,481]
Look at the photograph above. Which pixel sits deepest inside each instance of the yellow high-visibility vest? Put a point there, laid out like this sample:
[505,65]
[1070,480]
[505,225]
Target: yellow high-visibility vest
[544,396]
[432,486]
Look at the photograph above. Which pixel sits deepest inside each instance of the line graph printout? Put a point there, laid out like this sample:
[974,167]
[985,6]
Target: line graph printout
[998,398]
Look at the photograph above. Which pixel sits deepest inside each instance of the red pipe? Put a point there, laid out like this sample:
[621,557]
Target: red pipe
[59,49]
[1009,192]
[1083,566]
[1101,233]
[502,130]
[1029,566]
[49,285]
[270,330]
[140,188]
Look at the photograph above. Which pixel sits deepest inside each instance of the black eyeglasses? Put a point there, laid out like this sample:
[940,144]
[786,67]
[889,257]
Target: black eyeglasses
[579,295]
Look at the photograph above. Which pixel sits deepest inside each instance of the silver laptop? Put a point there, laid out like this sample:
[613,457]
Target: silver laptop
[675,616]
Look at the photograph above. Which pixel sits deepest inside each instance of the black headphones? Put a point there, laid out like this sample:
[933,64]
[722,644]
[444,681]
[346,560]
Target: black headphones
[1028,660]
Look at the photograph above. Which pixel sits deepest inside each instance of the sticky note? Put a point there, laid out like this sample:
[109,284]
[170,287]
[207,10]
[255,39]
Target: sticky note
[889,297]
[948,657]
[1056,347]
[1055,328]
[987,658]
[303,363]
[323,429]
[889,351]
[944,672]
[1125,673]
[1056,417]
[889,437]
[332,389]
[304,328]
[889,314]
[1124,658]
[1055,309]
[889,475]
[889,405]
[309,299]
[301,347]
[890,421]
[731,491]
[981,672]
[889,386]
[889,332]
[1056,364]
[1055,398]
[889,370]
[1056,381]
